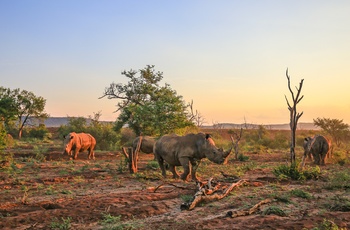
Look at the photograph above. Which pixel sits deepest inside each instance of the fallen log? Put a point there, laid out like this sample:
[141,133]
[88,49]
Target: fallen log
[210,191]
[252,210]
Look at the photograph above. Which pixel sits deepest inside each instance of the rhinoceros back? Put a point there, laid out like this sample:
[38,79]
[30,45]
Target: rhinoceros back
[173,147]
[86,141]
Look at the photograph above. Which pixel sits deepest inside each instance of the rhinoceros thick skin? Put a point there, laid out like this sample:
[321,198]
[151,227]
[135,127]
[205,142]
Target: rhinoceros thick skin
[147,144]
[317,146]
[79,142]
[187,151]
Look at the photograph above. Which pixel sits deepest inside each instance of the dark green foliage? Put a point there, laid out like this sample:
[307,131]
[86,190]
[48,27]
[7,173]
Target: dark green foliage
[3,136]
[292,171]
[274,210]
[39,132]
[106,137]
[242,157]
[300,193]
[21,105]
[146,107]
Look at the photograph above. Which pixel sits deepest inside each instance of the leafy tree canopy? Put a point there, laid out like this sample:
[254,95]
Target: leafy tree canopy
[145,106]
[20,105]
[336,128]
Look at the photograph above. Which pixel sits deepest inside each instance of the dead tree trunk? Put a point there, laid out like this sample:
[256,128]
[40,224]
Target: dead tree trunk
[132,158]
[235,145]
[294,115]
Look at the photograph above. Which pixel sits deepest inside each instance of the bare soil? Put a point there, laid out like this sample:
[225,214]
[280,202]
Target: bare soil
[48,194]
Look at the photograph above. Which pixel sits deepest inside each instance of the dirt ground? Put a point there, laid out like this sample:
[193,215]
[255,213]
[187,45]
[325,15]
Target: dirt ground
[87,194]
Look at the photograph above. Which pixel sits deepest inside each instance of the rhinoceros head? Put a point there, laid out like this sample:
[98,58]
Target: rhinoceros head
[68,143]
[214,154]
[307,145]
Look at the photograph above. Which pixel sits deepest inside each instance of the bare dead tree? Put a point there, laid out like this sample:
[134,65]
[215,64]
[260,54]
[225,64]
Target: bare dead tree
[196,117]
[132,156]
[294,115]
[236,144]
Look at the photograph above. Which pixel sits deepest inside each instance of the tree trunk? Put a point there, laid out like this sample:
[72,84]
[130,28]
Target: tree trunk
[132,158]
[294,116]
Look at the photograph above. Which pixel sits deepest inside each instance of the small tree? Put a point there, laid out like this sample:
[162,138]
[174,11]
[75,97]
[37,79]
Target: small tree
[8,110]
[146,107]
[294,115]
[333,127]
[23,105]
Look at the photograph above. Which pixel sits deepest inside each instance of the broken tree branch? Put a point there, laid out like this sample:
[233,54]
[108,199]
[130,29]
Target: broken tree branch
[210,191]
[252,210]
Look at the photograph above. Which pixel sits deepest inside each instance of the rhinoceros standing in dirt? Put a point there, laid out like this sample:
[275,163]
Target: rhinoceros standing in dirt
[317,146]
[187,151]
[79,142]
[147,144]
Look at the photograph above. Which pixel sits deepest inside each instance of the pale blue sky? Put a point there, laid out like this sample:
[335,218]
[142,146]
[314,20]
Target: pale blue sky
[228,56]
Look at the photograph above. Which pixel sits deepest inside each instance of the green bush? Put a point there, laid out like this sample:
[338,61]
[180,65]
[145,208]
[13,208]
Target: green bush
[103,132]
[292,172]
[339,180]
[39,132]
[3,136]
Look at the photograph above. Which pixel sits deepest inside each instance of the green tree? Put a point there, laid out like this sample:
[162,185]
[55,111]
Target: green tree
[145,106]
[8,110]
[3,136]
[336,128]
[23,105]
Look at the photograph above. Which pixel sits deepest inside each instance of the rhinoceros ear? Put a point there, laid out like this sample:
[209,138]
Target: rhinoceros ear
[207,135]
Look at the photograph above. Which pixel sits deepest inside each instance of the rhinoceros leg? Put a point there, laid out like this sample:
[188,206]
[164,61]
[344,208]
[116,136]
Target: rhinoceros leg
[173,170]
[195,163]
[91,154]
[161,165]
[76,154]
[185,163]
[316,158]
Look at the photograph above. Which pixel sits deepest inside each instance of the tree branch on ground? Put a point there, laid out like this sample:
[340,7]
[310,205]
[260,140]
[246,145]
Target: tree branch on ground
[252,210]
[210,191]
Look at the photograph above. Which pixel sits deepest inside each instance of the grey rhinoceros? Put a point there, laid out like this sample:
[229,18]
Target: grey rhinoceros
[187,151]
[79,142]
[147,144]
[317,146]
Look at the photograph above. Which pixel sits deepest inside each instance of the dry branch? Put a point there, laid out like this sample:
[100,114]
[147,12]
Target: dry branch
[252,210]
[132,158]
[210,191]
[174,185]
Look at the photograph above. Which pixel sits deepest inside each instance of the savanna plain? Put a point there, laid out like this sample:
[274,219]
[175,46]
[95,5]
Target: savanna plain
[40,188]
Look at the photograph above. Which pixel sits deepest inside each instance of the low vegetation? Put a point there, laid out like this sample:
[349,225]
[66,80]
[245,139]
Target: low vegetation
[102,194]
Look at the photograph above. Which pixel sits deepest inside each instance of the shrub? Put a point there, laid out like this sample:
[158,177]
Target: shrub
[241,157]
[300,193]
[39,132]
[62,225]
[339,180]
[292,172]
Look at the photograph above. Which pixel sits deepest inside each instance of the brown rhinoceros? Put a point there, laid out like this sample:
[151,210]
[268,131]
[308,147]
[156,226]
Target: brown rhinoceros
[147,144]
[187,151]
[317,146]
[79,142]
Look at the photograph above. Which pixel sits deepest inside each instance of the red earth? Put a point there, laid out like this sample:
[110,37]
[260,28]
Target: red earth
[59,193]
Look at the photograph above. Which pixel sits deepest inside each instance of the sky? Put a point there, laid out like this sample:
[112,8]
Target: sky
[227,56]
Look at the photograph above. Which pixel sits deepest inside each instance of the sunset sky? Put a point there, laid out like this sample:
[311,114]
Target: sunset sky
[228,56]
